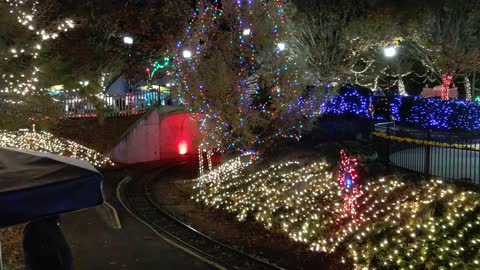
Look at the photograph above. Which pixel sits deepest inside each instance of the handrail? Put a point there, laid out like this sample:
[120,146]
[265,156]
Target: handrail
[427,142]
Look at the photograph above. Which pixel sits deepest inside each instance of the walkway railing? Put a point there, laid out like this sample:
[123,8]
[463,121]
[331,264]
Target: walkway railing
[114,105]
[74,106]
[449,155]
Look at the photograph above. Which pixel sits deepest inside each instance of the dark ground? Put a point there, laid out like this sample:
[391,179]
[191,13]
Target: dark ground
[104,138]
[97,246]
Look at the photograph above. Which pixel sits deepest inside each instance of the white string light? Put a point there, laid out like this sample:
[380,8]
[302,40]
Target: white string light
[393,225]
[27,83]
[47,142]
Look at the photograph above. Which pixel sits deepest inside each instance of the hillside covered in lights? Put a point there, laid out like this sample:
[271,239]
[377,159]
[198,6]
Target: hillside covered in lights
[49,143]
[382,224]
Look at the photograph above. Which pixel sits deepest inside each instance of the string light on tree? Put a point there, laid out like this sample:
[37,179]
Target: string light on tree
[401,87]
[26,14]
[447,79]
[187,54]
[468,89]
[194,88]
[281,46]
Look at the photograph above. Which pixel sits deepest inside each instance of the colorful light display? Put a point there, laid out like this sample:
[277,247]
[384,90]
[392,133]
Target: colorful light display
[347,175]
[237,18]
[156,67]
[350,102]
[385,224]
[447,79]
[47,142]
[436,114]
[414,110]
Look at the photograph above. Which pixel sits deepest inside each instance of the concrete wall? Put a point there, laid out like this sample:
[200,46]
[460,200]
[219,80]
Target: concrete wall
[160,135]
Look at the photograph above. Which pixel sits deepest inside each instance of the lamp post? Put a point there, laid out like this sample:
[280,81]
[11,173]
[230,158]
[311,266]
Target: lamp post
[389,52]
[128,40]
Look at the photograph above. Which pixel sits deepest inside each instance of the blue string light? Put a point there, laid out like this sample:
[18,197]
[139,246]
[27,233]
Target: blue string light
[412,110]
[436,114]
[350,102]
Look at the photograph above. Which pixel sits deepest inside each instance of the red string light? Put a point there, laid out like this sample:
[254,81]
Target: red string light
[446,81]
[347,177]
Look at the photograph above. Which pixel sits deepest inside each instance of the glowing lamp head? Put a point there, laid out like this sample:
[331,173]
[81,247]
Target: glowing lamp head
[390,51]
[247,32]
[128,40]
[182,148]
[281,46]
[187,54]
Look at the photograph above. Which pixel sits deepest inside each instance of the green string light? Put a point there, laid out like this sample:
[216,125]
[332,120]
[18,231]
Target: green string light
[157,66]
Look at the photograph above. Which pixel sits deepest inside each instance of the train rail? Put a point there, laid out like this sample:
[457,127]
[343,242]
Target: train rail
[137,197]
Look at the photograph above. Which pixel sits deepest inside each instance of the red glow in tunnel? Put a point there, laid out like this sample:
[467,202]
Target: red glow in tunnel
[182,148]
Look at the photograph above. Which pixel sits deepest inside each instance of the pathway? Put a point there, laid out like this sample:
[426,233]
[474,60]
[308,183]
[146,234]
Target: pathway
[97,246]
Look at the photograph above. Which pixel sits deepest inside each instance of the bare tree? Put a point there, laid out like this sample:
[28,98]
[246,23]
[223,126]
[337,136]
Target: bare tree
[447,40]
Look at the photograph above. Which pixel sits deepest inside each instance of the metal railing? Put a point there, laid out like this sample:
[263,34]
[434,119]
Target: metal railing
[74,106]
[449,155]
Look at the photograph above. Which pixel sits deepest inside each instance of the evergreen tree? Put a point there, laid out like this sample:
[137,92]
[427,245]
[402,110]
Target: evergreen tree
[242,77]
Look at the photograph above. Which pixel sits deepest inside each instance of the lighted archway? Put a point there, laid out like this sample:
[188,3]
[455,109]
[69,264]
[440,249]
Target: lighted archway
[157,138]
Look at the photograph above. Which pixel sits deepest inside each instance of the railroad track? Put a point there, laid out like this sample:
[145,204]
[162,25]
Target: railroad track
[136,195]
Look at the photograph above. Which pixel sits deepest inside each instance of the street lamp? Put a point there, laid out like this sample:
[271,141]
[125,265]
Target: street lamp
[389,52]
[128,40]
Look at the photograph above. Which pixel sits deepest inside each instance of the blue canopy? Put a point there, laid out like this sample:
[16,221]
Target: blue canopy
[35,185]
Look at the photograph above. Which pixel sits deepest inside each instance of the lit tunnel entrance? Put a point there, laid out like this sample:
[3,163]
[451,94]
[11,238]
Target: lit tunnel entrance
[157,137]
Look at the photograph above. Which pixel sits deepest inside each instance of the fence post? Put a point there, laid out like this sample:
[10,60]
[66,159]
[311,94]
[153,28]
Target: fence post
[426,170]
[388,141]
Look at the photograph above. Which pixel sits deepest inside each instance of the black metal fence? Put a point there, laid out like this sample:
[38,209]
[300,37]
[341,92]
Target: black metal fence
[449,155]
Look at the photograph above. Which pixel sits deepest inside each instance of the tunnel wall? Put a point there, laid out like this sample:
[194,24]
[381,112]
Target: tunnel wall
[158,136]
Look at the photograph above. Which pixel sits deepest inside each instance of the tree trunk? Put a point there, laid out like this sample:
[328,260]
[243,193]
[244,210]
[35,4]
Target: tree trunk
[468,89]
[474,92]
[447,79]
[401,86]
